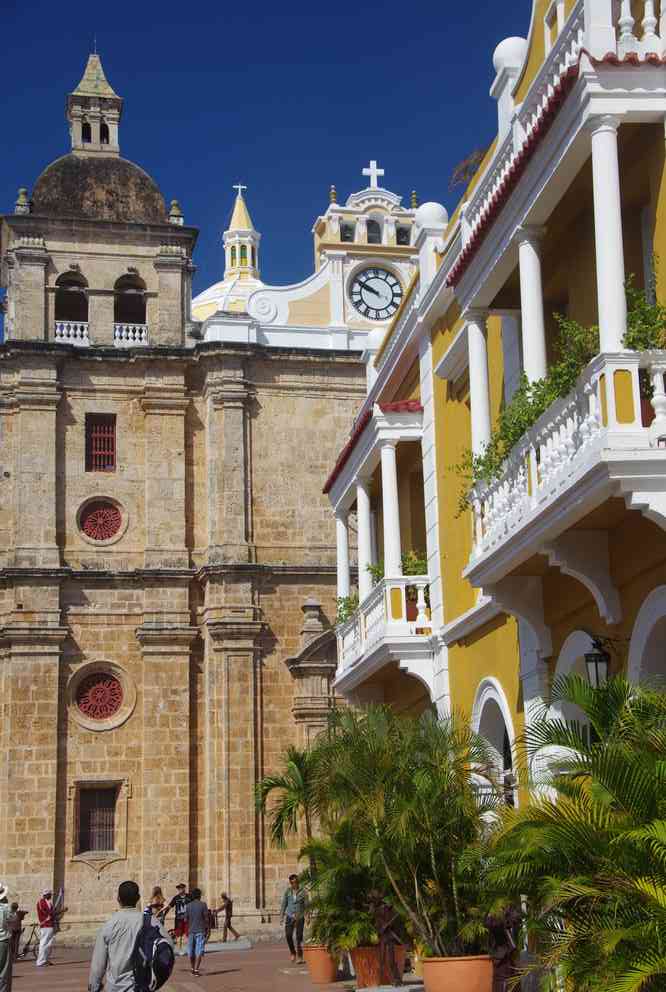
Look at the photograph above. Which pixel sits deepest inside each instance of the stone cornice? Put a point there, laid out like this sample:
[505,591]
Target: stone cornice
[29,635]
[235,631]
[163,638]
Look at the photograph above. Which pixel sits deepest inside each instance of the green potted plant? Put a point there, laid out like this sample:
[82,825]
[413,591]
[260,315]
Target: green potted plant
[341,908]
[418,814]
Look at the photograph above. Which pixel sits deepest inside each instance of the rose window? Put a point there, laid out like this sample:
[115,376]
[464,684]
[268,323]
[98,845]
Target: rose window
[101,520]
[100,696]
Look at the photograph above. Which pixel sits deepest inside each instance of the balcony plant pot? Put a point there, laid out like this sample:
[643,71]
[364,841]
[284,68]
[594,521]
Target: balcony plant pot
[472,973]
[366,961]
[322,965]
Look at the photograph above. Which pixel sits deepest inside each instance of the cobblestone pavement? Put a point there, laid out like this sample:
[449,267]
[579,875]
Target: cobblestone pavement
[264,968]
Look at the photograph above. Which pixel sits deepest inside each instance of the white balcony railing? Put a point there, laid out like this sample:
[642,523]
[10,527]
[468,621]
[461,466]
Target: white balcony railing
[643,34]
[72,332]
[604,417]
[396,608]
[130,335]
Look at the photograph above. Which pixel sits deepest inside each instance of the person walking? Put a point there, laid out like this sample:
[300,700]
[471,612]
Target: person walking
[157,904]
[48,918]
[8,923]
[179,904]
[292,911]
[198,926]
[114,946]
[227,907]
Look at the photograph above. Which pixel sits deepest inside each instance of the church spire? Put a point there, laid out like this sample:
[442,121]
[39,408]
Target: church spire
[241,241]
[93,112]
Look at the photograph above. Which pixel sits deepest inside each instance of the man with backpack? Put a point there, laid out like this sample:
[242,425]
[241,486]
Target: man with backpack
[133,950]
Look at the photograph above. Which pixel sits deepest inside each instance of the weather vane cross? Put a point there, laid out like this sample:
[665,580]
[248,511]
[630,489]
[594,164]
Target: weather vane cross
[240,188]
[374,173]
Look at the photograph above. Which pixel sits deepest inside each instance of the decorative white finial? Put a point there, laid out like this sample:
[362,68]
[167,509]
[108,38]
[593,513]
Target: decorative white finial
[374,173]
[240,188]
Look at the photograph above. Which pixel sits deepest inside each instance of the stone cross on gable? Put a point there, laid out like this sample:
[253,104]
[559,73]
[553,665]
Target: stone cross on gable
[240,188]
[374,173]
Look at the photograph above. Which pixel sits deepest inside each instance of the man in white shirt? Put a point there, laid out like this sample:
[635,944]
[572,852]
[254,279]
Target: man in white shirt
[7,927]
[115,942]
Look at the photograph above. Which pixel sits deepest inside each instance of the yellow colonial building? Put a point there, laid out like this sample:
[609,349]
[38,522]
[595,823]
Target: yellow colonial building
[564,543]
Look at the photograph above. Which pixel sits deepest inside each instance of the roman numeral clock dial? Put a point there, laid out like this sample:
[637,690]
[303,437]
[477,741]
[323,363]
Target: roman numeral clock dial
[376,293]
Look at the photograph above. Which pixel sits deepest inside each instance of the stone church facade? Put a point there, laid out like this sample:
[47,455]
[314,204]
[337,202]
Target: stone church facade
[168,561]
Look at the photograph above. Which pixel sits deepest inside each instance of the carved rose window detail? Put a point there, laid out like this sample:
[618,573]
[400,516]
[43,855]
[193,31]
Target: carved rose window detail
[101,520]
[100,696]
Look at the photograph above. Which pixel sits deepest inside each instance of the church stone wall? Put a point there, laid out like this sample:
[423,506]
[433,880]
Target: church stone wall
[198,621]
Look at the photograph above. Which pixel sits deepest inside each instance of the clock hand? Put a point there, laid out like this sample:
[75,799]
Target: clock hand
[370,289]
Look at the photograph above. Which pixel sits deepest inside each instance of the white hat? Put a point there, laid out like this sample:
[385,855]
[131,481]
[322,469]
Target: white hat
[4,889]
[47,892]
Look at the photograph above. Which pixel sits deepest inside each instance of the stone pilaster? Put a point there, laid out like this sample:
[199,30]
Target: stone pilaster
[228,456]
[313,669]
[37,395]
[171,265]
[164,406]
[165,792]
[30,792]
[29,289]
[233,701]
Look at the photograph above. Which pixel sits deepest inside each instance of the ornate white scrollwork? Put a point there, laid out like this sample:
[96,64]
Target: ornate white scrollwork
[264,309]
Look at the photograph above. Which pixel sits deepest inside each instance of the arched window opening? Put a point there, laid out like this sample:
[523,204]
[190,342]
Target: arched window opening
[346,232]
[104,133]
[243,254]
[71,301]
[402,235]
[374,229]
[86,133]
[233,255]
[254,257]
[129,302]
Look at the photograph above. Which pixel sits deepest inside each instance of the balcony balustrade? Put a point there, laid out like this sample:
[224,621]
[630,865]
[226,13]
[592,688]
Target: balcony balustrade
[606,438]
[130,335]
[392,617]
[72,332]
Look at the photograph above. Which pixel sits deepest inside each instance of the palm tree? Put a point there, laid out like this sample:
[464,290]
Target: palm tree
[405,786]
[590,850]
[296,800]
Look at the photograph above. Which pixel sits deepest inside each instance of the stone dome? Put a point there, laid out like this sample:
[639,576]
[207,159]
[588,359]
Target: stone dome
[99,188]
[431,215]
[510,54]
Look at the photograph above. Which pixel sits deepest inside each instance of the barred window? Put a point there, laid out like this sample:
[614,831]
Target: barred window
[100,442]
[97,813]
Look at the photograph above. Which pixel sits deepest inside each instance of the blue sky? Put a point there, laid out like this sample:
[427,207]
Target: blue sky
[287,98]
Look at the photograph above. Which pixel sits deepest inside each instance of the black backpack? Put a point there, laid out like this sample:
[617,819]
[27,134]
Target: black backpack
[152,957]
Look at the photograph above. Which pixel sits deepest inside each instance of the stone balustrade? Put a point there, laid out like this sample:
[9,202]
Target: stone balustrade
[396,608]
[645,34]
[130,335]
[72,332]
[609,412]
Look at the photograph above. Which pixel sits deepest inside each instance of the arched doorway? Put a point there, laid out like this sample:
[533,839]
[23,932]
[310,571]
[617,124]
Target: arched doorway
[647,649]
[491,718]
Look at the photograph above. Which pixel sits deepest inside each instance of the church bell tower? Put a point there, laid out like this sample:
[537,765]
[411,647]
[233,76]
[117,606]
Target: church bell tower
[93,112]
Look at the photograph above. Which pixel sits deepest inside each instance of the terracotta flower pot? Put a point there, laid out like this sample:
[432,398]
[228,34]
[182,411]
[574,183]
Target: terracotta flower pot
[366,965]
[473,974]
[323,967]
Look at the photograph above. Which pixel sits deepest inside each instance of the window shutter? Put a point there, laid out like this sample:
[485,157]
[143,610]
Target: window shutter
[97,810]
[101,442]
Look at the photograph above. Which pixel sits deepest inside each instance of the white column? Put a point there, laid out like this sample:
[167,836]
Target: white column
[531,302]
[364,542]
[612,305]
[391,510]
[479,386]
[342,535]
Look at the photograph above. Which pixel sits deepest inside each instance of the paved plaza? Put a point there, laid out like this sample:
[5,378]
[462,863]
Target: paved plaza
[264,968]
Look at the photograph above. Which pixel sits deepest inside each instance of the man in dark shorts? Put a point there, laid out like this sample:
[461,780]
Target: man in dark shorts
[179,905]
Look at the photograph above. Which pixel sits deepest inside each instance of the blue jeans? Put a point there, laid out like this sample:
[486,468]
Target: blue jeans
[196,943]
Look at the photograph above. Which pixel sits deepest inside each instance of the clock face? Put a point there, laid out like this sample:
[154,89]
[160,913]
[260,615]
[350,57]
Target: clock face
[376,293]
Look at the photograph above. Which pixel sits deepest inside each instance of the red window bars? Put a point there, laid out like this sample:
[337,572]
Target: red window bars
[97,813]
[100,442]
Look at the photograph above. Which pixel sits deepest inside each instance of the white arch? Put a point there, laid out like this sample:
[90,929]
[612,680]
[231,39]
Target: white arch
[650,613]
[573,649]
[487,689]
